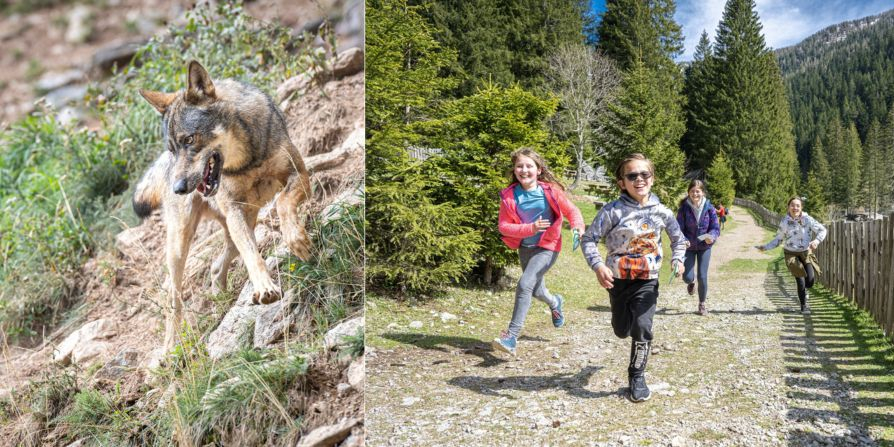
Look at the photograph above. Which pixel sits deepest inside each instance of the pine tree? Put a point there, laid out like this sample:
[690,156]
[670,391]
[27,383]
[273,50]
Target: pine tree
[636,122]
[753,124]
[822,174]
[504,42]
[643,39]
[418,244]
[874,172]
[815,203]
[699,142]
[478,133]
[720,182]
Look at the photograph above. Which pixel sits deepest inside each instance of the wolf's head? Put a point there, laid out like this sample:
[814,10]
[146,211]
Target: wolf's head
[194,132]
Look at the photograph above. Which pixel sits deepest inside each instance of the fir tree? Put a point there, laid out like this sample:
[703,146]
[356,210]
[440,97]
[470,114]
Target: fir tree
[636,122]
[505,42]
[753,124]
[819,166]
[418,244]
[874,173]
[699,142]
[815,203]
[720,181]
[478,133]
[643,39]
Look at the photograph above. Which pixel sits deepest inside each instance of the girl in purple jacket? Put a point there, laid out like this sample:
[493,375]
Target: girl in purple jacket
[698,220]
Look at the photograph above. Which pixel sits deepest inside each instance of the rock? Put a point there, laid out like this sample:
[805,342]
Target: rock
[81,339]
[329,435]
[343,389]
[77,443]
[231,333]
[445,317]
[296,84]
[70,115]
[79,27]
[410,401]
[69,94]
[115,369]
[357,373]
[88,351]
[111,56]
[53,80]
[347,63]
[336,336]
[272,322]
[416,325]
[355,440]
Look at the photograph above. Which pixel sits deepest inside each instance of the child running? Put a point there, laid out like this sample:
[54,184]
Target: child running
[698,221]
[631,227]
[531,213]
[800,235]
[721,214]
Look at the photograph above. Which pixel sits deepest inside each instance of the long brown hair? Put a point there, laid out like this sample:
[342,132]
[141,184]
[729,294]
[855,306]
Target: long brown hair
[546,175]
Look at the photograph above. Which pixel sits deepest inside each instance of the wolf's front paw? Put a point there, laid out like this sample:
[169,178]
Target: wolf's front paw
[297,241]
[266,293]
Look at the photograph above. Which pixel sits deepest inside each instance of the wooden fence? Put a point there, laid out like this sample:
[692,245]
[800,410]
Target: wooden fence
[857,261]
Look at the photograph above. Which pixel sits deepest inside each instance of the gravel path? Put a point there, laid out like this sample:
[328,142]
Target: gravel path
[753,372]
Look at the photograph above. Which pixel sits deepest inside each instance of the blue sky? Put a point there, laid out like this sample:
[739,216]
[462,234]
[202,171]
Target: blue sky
[785,22]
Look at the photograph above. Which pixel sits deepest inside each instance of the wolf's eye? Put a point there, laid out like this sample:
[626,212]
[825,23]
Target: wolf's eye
[189,139]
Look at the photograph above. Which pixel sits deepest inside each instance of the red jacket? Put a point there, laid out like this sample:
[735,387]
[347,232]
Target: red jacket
[513,230]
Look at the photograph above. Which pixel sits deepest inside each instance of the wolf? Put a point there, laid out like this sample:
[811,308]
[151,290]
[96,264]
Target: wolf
[227,153]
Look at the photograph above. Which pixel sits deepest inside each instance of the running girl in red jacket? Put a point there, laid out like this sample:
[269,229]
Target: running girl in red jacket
[531,213]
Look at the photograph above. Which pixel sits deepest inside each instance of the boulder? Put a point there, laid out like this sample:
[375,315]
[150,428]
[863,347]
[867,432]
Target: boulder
[337,336]
[86,342]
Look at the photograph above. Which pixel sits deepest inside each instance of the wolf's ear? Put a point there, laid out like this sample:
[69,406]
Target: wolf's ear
[159,100]
[199,86]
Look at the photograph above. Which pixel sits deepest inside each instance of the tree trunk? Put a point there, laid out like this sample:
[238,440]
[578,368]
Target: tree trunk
[488,271]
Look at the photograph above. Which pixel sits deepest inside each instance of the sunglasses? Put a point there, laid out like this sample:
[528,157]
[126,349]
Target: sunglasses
[632,176]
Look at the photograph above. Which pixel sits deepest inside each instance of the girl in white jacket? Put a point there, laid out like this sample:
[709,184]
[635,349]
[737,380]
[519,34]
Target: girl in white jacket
[800,235]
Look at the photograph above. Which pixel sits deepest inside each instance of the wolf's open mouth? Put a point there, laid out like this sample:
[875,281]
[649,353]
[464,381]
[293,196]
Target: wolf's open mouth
[211,176]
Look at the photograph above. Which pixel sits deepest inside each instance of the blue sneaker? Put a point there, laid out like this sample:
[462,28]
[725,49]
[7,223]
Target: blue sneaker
[505,343]
[558,315]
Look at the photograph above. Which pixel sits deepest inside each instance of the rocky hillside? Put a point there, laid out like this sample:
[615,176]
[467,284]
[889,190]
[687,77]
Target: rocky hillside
[288,373]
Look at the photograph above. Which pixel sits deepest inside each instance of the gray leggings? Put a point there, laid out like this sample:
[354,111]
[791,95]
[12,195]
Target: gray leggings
[535,262]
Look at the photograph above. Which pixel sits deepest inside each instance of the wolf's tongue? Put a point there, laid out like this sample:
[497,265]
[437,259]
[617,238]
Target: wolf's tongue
[201,187]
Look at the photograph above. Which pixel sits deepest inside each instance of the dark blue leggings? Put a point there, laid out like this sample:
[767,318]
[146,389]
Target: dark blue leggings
[703,257]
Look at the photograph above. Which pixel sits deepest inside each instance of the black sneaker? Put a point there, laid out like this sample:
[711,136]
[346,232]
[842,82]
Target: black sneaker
[639,392]
[690,288]
[805,309]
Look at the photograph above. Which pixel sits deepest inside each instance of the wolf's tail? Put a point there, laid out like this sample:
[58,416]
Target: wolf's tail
[149,192]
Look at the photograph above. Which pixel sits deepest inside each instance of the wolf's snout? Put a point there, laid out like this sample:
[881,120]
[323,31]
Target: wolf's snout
[180,186]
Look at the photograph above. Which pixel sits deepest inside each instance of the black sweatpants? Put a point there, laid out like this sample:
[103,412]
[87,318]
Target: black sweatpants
[805,283]
[633,304]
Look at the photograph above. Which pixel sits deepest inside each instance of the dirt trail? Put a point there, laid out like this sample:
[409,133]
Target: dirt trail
[753,372]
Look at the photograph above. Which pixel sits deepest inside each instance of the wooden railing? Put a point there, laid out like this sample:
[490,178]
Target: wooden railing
[856,260]
[767,217]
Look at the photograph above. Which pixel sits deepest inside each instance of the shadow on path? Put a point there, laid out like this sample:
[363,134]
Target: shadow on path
[830,358]
[471,346]
[573,384]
